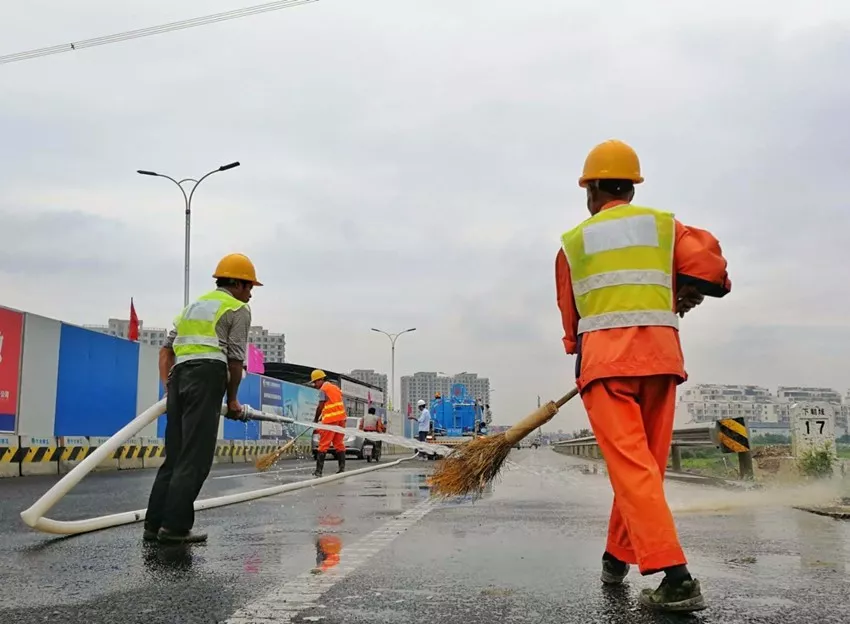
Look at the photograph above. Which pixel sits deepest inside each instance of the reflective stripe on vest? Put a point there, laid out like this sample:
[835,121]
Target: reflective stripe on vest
[196,336]
[621,266]
[334,409]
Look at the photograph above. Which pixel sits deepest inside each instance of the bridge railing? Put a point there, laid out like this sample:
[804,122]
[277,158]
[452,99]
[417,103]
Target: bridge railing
[699,436]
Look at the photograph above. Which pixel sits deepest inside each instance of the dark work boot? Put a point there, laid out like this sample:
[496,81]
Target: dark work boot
[150,534]
[168,537]
[614,571]
[320,465]
[682,596]
[340,458]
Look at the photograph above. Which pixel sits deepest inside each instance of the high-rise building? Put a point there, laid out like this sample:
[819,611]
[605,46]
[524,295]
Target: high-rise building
[424,385]
[369,376]
[271,344]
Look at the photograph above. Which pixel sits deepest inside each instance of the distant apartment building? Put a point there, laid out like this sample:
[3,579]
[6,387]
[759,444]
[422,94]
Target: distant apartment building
[424,385]
[154,336]
[704,403]
[271,344]
[367,375]
[710,402]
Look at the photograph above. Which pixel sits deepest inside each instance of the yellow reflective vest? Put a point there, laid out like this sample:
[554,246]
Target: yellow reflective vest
[196,336]
[621,267]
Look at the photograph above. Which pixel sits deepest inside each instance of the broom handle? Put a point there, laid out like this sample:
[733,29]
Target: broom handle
[563,400]
[538,418]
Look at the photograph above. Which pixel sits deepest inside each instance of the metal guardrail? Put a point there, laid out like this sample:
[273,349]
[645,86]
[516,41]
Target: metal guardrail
[683,437]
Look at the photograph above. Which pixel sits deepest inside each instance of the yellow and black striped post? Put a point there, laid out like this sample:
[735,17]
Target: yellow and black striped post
[733,437]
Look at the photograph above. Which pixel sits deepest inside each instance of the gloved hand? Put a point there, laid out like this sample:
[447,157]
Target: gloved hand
[687,299]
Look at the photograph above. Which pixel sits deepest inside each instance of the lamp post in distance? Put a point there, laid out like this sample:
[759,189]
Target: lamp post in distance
[187,199]
[393,338]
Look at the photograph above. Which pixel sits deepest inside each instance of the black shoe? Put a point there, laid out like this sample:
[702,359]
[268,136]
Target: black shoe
[340,458]
[150,532]
[682,597]
[614,572]
[167,537]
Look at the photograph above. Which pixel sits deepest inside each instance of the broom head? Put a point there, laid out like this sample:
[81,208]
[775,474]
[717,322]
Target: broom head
[471,467]
[475,464]
[268,460]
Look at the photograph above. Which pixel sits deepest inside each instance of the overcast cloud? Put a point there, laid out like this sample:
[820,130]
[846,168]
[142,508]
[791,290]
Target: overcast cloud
[413,163]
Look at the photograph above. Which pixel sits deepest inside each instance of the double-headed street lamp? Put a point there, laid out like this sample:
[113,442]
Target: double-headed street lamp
[393,338]
[188,202]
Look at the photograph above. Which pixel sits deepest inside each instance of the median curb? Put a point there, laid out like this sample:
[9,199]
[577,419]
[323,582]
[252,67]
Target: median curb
[841,512]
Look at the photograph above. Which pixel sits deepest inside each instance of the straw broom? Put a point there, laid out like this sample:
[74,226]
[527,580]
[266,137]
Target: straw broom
[269,459]
[475,464]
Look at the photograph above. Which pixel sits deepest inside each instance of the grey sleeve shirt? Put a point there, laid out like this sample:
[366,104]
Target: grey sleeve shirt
[232,332]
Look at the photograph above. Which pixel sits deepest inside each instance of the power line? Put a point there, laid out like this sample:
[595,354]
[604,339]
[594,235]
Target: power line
[153,30]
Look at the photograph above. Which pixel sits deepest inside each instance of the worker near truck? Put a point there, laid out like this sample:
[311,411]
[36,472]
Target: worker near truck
[200,363]
[331,410]
[423,426]
[622,276]
[373,422]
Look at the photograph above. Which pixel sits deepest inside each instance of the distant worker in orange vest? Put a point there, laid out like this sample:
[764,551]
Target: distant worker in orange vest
[622,277]
[331,410]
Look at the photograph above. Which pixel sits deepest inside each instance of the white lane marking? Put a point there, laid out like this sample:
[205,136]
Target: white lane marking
[304,591]
[254,474]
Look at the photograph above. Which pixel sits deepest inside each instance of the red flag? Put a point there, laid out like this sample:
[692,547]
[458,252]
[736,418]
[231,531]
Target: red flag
[133,329]
[409,410]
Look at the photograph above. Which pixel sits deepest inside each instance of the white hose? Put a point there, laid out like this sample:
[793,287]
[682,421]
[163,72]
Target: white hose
[34,515]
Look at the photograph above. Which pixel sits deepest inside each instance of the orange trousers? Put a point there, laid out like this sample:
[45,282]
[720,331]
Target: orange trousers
[632,418]
[331,438]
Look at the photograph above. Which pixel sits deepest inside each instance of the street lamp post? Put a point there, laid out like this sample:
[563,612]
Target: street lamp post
[187,199]
[393,338]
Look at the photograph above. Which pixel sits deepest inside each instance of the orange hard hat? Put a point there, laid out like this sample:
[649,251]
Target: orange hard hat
[611,160]
[237,266]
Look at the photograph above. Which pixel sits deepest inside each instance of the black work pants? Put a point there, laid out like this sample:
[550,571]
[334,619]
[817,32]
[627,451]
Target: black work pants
[193,404]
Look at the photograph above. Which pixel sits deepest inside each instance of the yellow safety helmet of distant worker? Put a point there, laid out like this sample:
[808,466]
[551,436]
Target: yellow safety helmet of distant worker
[611,160]
[317,374]
[237,266]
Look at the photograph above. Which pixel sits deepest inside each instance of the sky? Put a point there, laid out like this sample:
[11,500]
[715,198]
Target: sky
[413,164]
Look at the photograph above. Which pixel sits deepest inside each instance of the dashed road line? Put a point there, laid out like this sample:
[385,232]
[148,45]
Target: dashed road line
[304,591]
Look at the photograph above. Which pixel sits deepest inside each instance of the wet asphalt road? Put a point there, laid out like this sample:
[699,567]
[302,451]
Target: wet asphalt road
[528,552]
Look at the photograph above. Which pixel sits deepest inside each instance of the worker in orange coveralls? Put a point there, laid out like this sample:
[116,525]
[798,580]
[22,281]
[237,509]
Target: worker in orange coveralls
[622,277]
[331,411]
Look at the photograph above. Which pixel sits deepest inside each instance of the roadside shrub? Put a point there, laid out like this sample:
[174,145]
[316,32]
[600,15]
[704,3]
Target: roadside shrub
[817,462]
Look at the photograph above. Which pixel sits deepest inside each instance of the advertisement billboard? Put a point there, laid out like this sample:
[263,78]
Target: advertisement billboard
[271,402]
[11,346]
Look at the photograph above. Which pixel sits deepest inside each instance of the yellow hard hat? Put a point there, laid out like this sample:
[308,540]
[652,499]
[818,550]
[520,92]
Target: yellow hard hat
[611,160]
[237,266]
[317,374]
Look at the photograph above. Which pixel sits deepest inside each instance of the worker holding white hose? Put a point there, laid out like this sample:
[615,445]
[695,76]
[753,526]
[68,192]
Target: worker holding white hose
[201,362]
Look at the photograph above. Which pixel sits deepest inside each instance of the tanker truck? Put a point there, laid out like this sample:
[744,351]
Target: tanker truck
[456,418]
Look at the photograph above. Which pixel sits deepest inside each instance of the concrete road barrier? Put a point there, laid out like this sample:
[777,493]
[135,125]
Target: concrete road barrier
[237,451]
[73,450]
[41,456]
[10,456]
[129,455]
[153,455]
[250,451]
[223,452]
[110,463]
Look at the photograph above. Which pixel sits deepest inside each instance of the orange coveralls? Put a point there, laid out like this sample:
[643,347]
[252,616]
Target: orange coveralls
[628,378]
[332,414]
